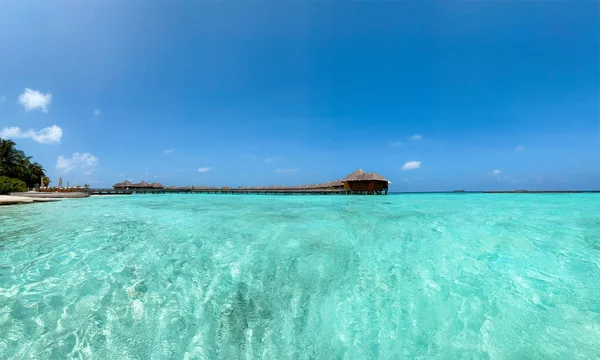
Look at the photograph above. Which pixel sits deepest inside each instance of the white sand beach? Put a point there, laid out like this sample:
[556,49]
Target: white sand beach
[16,200]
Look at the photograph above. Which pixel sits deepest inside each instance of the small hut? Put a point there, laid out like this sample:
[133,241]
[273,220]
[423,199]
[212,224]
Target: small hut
[337,184]
[361,182]
[123,185]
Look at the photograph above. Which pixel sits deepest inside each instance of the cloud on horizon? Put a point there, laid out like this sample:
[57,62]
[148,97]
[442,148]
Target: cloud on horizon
[396,144]
[411,165]
[83,160]
[168,151]
[285,170]
[416,137]
[49,135]
[34,100]
[496,172]
[204,169]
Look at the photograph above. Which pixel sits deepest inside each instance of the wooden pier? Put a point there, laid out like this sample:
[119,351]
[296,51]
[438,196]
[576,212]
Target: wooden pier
[357,183]
[288,191]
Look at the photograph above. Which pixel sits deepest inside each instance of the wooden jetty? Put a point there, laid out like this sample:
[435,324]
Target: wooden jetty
[357,183]
[278,191]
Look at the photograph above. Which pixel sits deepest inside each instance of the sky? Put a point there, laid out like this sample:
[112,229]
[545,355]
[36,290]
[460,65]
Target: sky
[432,95]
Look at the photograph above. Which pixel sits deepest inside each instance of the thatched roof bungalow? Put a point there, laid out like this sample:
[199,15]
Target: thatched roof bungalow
[143,185]
[361,181]
[122,185]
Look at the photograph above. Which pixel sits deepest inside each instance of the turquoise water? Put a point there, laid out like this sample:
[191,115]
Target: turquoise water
[302,277]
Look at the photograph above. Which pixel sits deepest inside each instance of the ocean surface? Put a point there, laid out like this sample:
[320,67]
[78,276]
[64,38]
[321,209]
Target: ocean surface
[438,276]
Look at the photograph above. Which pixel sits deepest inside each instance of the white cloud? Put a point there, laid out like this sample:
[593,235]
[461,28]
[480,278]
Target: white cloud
[82,160]
[168,151]
[2,98]
[97,112]
[496,172]
[285,170]
[520,148]
[33,100]
[411,165]
[416,137]
[49,135]
[396,144]
[204,169]
[121,174]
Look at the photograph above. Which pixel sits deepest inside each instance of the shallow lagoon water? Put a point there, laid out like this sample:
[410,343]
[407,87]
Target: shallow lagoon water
[448,276]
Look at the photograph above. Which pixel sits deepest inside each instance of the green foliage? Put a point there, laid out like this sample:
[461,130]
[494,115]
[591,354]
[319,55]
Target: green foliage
[15,164]
[8,185]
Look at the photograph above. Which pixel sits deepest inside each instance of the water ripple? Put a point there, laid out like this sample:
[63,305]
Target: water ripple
[253,277]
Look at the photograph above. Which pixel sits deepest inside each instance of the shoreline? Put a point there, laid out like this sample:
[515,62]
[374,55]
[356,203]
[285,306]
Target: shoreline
[20,200]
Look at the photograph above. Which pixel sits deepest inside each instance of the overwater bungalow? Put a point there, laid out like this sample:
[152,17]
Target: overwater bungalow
[122,185]
[360,182]
[143,185]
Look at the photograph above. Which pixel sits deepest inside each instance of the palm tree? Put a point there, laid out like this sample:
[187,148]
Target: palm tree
[15,164]
[9,157]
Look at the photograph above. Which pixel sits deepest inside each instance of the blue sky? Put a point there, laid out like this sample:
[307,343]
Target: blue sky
[500,95]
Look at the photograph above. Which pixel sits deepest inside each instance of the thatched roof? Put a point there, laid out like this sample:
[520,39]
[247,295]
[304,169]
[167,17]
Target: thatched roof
[373,176]
[337,183]
[143,184]
[157,185]
[123,184]
[355,176]
[360,175]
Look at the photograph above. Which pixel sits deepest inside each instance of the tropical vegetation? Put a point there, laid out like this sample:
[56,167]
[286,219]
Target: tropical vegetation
[17,171]
[8,185]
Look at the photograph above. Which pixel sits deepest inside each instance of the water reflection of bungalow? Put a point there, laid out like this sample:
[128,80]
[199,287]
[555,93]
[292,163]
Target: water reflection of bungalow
[360,182]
